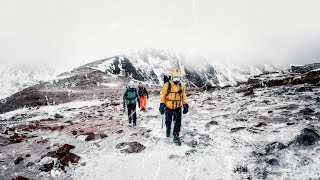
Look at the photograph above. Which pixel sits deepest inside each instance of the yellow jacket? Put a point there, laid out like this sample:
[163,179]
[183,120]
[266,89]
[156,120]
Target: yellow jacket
[173,99]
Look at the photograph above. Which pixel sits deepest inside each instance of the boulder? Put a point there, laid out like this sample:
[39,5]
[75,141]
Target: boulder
[18,160]
[273,162]
[308,137]
[70,157]
[134,147]
[64,150]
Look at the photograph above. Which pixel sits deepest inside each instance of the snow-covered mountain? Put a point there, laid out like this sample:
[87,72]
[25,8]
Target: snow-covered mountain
[148,65]
[14,78]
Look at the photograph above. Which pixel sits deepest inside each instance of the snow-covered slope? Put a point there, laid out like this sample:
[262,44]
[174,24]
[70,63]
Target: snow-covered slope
[14,78]
[148,65]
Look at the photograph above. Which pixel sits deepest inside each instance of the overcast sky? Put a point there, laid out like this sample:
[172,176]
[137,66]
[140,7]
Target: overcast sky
[71,32]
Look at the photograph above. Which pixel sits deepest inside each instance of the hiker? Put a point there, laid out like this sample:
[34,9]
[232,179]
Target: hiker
[129,98]
[143,96]
[172,98]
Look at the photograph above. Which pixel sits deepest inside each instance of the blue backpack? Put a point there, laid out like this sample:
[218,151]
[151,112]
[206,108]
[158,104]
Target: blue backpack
[130,96]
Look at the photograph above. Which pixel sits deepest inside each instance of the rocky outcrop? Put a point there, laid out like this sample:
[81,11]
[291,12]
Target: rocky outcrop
[64,157]
[305,68]
[308,137]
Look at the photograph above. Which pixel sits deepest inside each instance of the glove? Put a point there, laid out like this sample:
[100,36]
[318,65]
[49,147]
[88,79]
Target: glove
[161,108]
[185,108]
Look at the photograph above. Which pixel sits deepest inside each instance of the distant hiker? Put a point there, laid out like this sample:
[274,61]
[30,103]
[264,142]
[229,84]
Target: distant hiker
[130,98]
[172,98]
[143,95]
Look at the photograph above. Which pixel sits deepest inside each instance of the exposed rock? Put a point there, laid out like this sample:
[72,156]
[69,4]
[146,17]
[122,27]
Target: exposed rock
[70,157]
[249,93]
[30,164]
[134,147]
[17,138]
[58,116]
[28,155]
[119,131]
[18,160]
[240,169]
[64,150]
[318,99]
[307,111]
[305,68]
[236,129]
[241,119]
[211,123]
[261,124]
[274,147]
[307,137]
[92,136]
[21,178]
[47,167]
[304,89]
[74,132]
[278,82]
[273,162]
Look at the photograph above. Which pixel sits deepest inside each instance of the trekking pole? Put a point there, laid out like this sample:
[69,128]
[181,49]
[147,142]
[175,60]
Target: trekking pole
[162,121]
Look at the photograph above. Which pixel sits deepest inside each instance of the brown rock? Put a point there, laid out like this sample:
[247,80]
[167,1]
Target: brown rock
[64,161]
[92,136]
[21,178]
[64,150]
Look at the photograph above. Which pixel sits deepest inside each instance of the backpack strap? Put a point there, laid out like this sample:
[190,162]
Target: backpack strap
[169,88]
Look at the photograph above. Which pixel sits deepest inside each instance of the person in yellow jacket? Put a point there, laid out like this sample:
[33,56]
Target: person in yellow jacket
[172,99]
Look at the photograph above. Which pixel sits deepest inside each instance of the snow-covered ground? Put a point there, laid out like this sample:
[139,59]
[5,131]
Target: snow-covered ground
[225,135]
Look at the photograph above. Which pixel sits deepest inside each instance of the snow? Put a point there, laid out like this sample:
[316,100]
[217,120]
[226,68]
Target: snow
[45,112]
[14,78]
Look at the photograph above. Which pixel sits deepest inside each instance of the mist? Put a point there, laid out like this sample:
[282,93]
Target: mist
[66,34]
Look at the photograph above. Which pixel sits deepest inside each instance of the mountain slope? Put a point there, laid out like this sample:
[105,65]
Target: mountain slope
[14,78]
[148,65]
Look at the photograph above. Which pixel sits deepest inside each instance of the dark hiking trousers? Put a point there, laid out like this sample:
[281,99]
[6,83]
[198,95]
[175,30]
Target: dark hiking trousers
[175,116]
[132,113]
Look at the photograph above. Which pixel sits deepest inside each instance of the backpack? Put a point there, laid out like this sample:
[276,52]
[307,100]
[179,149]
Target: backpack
[169,90]
[130,96]
[179,92]
[141,91]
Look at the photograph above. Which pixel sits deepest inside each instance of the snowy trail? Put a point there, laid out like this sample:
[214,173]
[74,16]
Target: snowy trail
[218,153]
[224,136]
[162,159]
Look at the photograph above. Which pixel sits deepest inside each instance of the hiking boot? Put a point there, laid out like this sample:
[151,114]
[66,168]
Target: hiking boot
[177,141]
